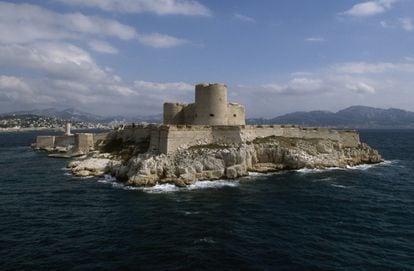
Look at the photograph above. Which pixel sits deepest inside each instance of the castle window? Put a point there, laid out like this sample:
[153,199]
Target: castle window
[234,115]
[211,115]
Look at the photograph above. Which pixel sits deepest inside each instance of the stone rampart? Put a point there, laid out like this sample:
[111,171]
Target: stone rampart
[64,141]
[132,133]
[169,138]
[45,142]
[83,142]
[184,136]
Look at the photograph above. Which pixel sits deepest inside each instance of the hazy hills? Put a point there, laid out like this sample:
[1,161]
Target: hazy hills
[351,117]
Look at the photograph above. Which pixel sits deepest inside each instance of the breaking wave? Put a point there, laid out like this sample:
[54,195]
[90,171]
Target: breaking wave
[358,167]
[169,188]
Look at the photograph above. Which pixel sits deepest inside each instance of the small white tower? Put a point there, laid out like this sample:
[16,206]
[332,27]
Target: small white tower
[67,128]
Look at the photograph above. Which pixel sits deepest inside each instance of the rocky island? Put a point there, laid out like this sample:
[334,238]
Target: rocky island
[209,140]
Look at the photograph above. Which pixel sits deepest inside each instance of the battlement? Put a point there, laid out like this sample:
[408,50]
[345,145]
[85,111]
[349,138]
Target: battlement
[168,139]
[210,108]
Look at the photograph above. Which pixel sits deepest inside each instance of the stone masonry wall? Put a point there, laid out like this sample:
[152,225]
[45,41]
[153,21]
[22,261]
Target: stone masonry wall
[169,138]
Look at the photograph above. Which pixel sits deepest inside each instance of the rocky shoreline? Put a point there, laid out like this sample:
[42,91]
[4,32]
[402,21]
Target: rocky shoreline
[221,161]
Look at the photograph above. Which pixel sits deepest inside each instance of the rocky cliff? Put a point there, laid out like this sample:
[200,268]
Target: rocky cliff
[214,161]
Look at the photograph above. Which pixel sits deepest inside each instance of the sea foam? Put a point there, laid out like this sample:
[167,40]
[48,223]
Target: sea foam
[169,188]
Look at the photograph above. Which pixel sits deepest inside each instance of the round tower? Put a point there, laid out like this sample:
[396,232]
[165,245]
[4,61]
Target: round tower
[210,104]
[67,128]
[173,113]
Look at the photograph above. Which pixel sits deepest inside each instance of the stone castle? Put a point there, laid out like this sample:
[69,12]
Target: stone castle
[210,120]
[210,108]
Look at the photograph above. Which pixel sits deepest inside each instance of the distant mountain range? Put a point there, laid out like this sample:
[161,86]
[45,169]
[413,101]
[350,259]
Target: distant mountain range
[351,117]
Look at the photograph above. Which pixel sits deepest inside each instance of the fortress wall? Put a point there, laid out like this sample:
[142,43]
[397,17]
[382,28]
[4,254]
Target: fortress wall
[100,137]
[346,138]
[154,141]
[159,139]
[189,114]
[169,138]
[173,113]
[83,142]
[186,136]
[137,133]
[226,134]
[64,141]
[210,104]
[349,138]
[235,114]
[250,132]
[45,142]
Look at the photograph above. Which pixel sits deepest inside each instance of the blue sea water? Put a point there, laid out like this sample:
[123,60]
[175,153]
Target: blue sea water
[359,218]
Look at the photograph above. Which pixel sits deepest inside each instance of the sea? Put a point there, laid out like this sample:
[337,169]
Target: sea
[358,218]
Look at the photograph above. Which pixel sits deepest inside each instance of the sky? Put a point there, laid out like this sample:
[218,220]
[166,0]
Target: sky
[128,57]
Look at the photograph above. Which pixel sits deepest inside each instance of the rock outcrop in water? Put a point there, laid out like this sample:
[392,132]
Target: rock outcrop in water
[215,161]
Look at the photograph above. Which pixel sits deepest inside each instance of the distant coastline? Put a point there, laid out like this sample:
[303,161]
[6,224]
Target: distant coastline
[31,129]
[38,129]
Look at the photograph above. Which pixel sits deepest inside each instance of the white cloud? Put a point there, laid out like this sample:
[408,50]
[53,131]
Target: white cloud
[361,88]
[102,47]
[380,84]
[407,23]
[373,68]
[157,40]
[296,86]
[370,8]
[24,23]
[67,76]
[243,18]
[57,59]
[315,39]
[181,86]
[385,24]
[160,7]
[12,88]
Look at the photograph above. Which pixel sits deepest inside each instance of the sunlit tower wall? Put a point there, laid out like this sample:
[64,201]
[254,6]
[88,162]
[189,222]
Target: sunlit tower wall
[173,113]
[210,104]
[67,128]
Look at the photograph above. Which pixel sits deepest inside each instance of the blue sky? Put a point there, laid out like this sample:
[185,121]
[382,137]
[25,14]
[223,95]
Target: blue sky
[127,57]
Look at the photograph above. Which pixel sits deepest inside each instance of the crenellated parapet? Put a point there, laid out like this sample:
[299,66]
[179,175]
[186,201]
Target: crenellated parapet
[210,108]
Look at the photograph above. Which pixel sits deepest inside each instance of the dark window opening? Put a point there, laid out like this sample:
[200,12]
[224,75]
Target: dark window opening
[211,115]
[234,115]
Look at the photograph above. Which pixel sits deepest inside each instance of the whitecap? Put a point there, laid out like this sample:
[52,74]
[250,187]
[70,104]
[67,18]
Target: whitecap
[339,186]
[328,179]
[254,174]
[205,240]
[190,213]
[161,188]
[84,177]
[317,170]
[362,167]
[65,169]
[107,179]
[168,188]
[211,184]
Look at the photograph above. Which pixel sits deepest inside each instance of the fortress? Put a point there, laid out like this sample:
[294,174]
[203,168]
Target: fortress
[210,108]
[210,120]
[205,140]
